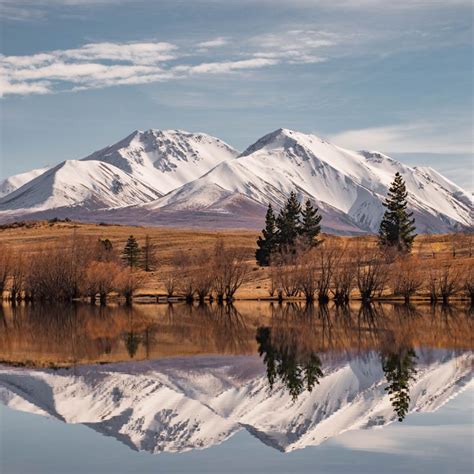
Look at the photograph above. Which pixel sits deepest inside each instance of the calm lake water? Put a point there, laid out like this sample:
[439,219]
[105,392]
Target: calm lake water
[253,387]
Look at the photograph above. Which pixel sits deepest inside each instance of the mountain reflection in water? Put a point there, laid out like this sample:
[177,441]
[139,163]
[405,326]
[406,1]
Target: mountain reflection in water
[178,377]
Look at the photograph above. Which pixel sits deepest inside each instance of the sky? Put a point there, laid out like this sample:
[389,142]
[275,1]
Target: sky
[77,75]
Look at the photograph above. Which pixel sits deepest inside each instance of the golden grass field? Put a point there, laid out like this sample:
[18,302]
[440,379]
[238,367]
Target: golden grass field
[168,241]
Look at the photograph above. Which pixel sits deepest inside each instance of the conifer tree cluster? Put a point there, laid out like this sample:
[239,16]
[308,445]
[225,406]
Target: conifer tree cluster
[294,226]
[397,226]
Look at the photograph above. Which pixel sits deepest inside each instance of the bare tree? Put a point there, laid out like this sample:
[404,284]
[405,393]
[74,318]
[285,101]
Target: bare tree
[327,255]
[371,272]
[231,271]
[406,276]
[204,274]
[17,278]
[148,254]
[100,278]
[5,266]
[444,281]
[170,284]
[126,282]
[344,274]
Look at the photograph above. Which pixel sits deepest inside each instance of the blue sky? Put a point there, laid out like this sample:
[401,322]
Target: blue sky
[77,75]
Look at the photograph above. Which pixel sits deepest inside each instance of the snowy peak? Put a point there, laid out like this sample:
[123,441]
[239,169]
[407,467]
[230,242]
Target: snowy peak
[72,183]
[12,183]
[185,173]
[166,159]
[348,186]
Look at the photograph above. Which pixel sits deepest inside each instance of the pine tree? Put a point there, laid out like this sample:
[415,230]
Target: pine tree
[397,226]
[131,252]
[310,224]
[267,243]
[288,224]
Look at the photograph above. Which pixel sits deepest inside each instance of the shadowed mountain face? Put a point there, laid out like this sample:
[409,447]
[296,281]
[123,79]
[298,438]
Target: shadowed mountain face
[293,376]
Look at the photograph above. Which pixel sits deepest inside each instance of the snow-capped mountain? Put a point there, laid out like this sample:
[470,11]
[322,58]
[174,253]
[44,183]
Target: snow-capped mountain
[165,159]
[348,186]
[173,177]
[90,185]
[9,185]
[179,404]
[137,169]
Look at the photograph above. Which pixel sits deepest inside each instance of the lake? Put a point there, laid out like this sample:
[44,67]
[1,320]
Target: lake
[251,387]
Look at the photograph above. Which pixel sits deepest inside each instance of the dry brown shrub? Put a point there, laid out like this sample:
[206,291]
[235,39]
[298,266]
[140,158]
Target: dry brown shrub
[406,276]
[444,281]
[371,273]
[126,282]
[230,270]
[100,279]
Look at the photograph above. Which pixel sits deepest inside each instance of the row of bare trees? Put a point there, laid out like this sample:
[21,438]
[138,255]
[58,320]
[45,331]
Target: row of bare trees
[80,267]
[338,270]
[207,275]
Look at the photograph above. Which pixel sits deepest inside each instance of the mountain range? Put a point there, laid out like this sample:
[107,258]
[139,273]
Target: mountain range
[180,404]
[172,177]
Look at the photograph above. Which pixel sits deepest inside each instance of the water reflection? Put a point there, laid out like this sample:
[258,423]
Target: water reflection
[285,360]
[178,377]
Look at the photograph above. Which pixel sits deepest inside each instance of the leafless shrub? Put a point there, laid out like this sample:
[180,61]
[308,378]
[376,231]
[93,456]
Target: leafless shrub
[443,282]
[468,283]
[100,278]
[170,284]
[17,278]
[308,277]
[58,272]
[184,275]
[230,271]
[371,272]
[204,274]
[406,276]
[344,274]
[149,254]
[126,283]
[5,265]
[326,256]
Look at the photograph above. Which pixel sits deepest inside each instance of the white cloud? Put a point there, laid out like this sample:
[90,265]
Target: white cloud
[417,137]
[214,43]
[227,66]
[294,46]
[96,65]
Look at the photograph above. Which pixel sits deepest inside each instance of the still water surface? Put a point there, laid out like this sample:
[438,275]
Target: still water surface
[254,387]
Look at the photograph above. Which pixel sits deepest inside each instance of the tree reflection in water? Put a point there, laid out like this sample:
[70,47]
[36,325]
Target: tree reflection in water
[294,339]
[295,370]
[399,370]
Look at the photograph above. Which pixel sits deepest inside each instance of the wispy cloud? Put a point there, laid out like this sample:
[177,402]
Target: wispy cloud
[214,43]
[105,64]
[296,45]
[416,137]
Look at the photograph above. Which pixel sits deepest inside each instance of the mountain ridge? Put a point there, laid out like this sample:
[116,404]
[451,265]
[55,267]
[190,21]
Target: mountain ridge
[192,176]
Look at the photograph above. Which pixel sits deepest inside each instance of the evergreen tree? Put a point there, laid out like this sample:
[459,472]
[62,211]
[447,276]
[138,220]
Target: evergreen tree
[131,252]
[310,224]
[399,369]
[288,224]
[267,243]
[397,226]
